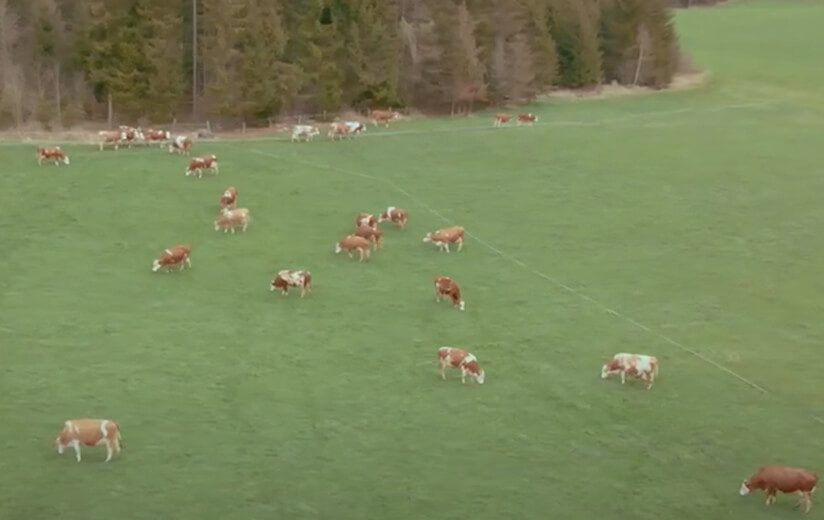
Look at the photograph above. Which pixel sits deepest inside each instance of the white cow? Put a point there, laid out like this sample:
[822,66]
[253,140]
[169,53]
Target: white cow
[305,132]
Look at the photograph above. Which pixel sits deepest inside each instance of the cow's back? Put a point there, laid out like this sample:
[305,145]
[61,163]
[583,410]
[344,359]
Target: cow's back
[787,479]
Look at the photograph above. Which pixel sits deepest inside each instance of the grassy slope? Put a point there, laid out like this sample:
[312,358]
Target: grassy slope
[696,218]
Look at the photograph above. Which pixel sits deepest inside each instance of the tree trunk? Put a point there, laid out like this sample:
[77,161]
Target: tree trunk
[110,115]
[58,101]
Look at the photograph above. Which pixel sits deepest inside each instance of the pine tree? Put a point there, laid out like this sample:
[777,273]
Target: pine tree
[575,28]
[161,28]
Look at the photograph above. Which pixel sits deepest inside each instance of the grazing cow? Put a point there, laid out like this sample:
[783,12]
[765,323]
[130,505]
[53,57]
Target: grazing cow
[395,215]
[305,132]
[181,144]
[112,137]
[786,479]
[158,136]
[200,163]
[443,237]
[90,432]
[230,219]
[450,357]
[177,255]
[372,234]
[229,198]
[286,278]
[53,153]
[383,116]
[445,286]
[502,119]
[635,365]
[366,219]
[527,119]
[355,127]
[351,243]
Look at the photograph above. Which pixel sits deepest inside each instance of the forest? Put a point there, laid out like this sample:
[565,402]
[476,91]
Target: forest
[64,62]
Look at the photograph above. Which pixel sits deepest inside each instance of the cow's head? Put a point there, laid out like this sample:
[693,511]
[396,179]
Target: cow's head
[462,305]
[217,224]
[66,159]
[480,376]
[610,367]
[272,286]
[156,266]
[427,238]
[338,248]
[745,488]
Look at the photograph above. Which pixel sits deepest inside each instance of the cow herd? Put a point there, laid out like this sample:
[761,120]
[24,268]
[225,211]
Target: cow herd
[366,237]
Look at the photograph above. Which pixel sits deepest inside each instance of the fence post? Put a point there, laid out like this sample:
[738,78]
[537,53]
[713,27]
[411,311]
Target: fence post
[209,126]
[243,127]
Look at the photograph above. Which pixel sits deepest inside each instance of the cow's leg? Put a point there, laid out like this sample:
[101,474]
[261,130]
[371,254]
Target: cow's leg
[460,244]
[445,246]
[623,377]
[188,262]
[245,225]
[360,252]
[76,446]
[182,266]
[770,496]
[463,376]
[60,448]
[109,451]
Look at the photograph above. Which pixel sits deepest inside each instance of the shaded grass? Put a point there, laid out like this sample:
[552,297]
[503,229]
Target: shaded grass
[696,220]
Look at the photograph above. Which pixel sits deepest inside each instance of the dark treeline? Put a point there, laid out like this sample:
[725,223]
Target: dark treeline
[66,61]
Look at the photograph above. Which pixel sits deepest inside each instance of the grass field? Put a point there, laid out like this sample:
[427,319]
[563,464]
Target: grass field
[684,224]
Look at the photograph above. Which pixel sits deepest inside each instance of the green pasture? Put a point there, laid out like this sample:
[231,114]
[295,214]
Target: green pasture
[687,225]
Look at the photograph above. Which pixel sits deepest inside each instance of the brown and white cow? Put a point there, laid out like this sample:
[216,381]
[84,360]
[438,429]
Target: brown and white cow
[501,119]
[372,234]
[352,243]
[229,198]
[177,255]
[89,432]
[51,153]
[527,119]
[158,136]
[443,237]
[112,137]
[383,116]
[286,278]
[450,357]
[395,215]
[200,163]
[131,135]
[366,219]
[773,478]
[634,365]
[338,130]
[445,286]
[229,219]
[180,144]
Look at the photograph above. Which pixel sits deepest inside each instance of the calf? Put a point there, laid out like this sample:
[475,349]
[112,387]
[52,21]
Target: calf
[383,116]
[372,234]
[635,365]
[450,357]
[112,137]
[304,132]
[527,119]
[365,219]
[54,153]
[181,144]
[395,215]
[229,198]
[351,243]
[228,220]
[786,479]
[200,163]
[443,237]
[131,135]
[501,119]
[177,255]
[448,287]
[286,278]
[90,432]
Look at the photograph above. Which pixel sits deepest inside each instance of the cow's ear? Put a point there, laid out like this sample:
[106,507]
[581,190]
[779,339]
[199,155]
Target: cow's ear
[326,16]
